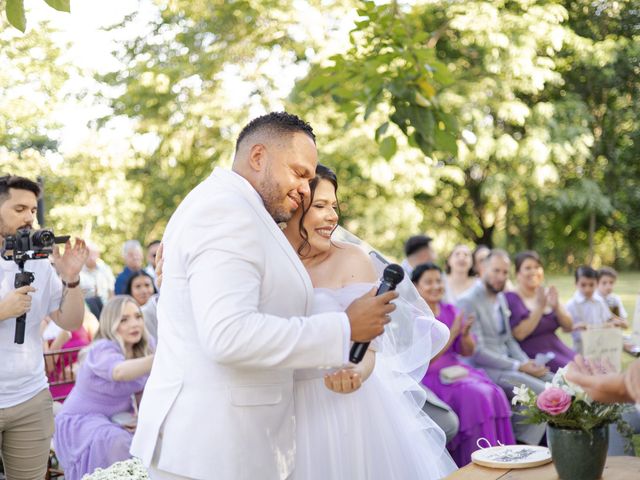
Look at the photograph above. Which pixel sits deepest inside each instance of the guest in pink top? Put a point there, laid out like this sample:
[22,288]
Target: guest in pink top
[482,407]
[59,366]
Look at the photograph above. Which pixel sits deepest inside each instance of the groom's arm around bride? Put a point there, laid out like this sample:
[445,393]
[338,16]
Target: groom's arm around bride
[233,318]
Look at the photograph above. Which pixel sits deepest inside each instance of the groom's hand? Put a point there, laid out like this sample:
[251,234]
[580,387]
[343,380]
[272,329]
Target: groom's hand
[369,314]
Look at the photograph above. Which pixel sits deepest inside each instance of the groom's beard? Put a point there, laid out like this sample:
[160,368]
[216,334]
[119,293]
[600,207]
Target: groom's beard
[270,192]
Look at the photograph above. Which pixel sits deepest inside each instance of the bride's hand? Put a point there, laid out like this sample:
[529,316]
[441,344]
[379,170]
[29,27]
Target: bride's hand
[343,381]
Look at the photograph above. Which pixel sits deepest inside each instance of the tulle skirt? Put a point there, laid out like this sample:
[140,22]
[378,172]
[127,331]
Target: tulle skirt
[375,433]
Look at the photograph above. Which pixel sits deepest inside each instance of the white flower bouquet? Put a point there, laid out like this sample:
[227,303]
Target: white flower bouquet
[131,469]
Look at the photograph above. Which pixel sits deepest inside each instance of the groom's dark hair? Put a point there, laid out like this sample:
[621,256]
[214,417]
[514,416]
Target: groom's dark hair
[276,123]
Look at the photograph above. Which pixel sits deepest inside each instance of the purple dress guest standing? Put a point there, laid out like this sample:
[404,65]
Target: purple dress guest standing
[543,339]
[85,438]
[481,406]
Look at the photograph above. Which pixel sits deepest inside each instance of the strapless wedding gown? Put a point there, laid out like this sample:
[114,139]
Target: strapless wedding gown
[377,432]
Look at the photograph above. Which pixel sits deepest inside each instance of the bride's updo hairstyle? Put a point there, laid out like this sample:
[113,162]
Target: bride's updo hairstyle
[322,173]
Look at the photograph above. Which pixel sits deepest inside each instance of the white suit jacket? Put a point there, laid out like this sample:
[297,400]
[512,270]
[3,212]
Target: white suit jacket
[232,326]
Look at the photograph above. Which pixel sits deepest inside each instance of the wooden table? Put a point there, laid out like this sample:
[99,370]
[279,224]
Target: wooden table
[617,468]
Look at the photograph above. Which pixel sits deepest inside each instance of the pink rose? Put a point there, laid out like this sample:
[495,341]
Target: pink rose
[554,401]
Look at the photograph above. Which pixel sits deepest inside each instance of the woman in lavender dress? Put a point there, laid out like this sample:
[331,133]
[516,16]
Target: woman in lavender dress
[481,406]
[116,367]
[536,313]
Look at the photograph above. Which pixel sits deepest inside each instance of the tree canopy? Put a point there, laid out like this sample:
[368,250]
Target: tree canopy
[505,122]
[16,16]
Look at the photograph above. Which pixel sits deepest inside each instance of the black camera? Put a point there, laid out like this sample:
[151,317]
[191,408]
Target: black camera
[25,245]
[29,244]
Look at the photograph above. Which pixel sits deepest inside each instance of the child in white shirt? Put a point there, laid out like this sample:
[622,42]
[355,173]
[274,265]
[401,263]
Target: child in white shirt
[586,308]
[606,280]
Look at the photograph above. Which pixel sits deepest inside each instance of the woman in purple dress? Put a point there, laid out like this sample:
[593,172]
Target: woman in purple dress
[481,406]
[536,313]
[115,369]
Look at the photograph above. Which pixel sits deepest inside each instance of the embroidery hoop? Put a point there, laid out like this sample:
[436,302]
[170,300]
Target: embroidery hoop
[486,456]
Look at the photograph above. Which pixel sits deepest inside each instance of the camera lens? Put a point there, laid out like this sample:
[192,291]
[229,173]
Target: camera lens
[43,238]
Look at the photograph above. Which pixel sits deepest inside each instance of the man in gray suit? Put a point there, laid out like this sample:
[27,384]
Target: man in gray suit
[497,352]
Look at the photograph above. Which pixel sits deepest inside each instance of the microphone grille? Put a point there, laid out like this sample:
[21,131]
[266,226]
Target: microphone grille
[393,274]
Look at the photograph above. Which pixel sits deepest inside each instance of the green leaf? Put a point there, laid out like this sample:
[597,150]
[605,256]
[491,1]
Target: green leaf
[15,14]
[388,147]
[371,105]
[424,142]
[60,5]
[422,120]
[317,84]
[441,73]
[381,130]
[399,119]
[450,121]
[445,141]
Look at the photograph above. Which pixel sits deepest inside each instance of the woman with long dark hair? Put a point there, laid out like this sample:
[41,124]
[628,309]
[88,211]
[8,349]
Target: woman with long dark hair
[536,313]
[357,422]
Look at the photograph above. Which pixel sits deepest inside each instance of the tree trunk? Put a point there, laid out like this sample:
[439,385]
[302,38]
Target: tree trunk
[592,232]
[530,238]
[632,235]
[487,237]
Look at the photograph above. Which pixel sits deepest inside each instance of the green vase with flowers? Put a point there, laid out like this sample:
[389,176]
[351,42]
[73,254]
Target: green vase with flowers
[577,426]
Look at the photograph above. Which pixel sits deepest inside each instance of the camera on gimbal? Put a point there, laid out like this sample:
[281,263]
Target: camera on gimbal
[29,244]
[25,245]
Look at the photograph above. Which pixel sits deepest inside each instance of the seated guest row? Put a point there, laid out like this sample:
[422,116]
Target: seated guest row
[509,336]
[482,407]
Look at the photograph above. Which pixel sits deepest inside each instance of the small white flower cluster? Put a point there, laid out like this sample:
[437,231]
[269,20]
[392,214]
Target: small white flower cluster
[522,394]
[131,469]
[571,389]
[525,395]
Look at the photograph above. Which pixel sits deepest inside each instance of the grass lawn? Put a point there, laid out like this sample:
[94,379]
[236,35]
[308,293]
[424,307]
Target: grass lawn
[627,286]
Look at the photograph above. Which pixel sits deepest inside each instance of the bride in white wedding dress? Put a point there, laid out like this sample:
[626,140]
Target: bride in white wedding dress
[365,422]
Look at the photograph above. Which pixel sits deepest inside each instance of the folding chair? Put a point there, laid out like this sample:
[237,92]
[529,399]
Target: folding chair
[59,367]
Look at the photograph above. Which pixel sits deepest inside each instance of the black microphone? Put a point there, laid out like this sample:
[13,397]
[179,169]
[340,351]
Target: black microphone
[391,277]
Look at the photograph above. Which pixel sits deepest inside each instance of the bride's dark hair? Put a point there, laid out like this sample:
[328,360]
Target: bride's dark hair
[322,173]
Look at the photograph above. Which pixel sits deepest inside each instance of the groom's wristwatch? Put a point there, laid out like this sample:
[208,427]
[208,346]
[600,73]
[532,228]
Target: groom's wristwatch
[71,284]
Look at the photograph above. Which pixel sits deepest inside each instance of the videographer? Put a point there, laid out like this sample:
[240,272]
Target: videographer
[26,416]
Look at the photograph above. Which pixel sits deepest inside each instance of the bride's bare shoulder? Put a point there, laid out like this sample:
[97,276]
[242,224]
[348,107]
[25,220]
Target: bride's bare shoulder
[353,263]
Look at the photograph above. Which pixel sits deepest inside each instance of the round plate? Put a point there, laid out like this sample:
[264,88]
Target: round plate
[512,456]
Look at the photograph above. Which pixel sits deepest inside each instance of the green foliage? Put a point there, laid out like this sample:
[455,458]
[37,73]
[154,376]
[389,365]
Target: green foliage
[87,193]
[468,103]
[580,416]
[544,98]
[391,66]
[511,123]
[174,88]
[60,5]
[16,16]
[600,65]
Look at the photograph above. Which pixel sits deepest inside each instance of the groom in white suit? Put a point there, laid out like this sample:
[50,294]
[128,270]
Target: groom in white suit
[233,318]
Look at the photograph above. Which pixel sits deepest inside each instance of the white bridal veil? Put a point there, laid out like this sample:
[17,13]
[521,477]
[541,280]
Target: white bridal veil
[412,337]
